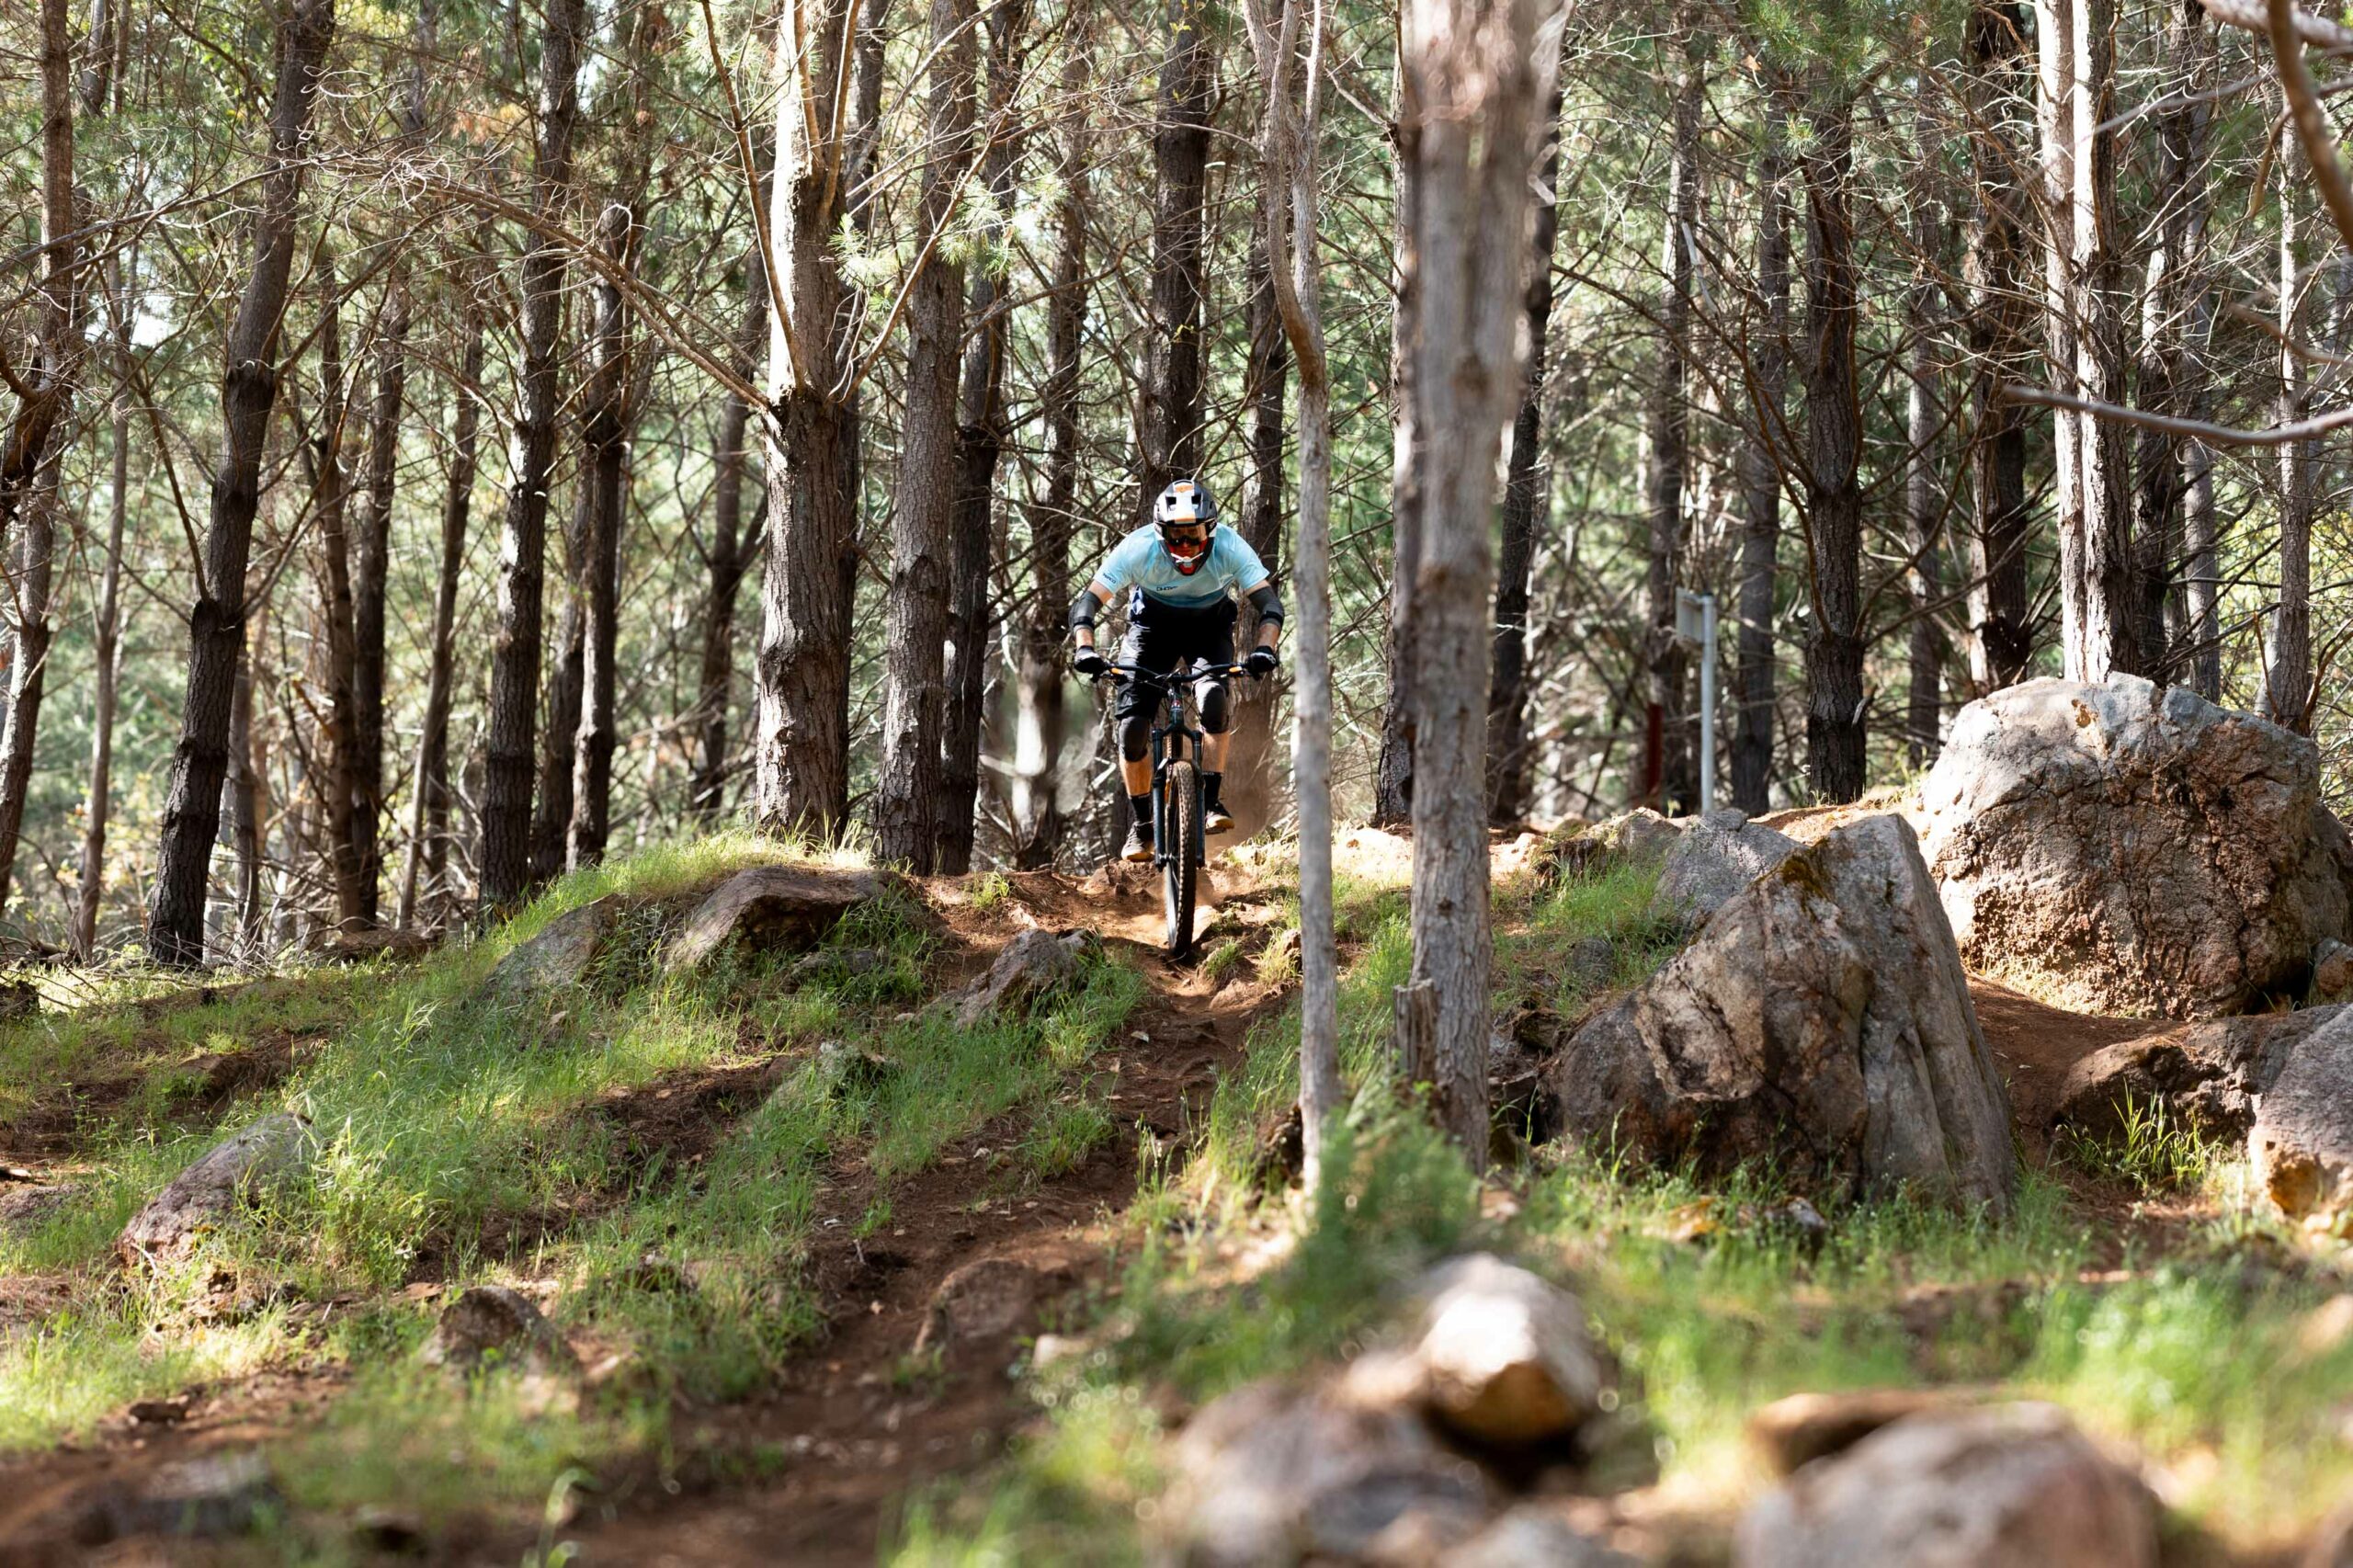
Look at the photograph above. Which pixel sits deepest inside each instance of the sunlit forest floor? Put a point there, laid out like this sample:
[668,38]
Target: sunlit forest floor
[737,1193]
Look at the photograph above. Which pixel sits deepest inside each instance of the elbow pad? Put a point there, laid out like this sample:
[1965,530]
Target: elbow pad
[1268,603]
[1083,608]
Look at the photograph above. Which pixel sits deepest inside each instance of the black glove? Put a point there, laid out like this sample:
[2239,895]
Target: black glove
[1260,664]
[1091,664]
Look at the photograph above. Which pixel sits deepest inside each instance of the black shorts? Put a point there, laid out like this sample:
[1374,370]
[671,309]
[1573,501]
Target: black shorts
[1161,636]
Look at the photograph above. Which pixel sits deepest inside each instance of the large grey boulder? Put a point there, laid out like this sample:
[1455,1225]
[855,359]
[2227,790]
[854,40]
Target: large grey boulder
[770,909]
[1275,1475]
[2016,1484]
[207,1196]
[2206,1075]
[2133,850]
[1714,862]
[2301,1143]
[558,957]
[1821,1020]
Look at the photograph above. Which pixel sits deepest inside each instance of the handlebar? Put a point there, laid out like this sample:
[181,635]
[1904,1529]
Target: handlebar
[1162,680]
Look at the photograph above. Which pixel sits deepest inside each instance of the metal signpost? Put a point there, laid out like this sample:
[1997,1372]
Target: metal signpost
[1695,621]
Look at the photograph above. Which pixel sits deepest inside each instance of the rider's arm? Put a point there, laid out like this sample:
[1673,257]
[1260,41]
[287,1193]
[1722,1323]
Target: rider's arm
[1269,606]
[1085,609]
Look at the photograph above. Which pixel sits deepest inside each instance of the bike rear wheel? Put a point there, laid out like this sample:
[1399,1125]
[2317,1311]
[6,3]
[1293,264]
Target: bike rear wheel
[1180,826]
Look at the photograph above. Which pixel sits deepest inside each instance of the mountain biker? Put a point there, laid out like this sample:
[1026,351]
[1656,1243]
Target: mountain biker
[1182,571]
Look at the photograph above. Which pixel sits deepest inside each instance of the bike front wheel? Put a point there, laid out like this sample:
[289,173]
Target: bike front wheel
[1181,827]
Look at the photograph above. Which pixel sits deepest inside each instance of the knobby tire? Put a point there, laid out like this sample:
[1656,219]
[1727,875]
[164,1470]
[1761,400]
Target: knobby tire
[1180,817]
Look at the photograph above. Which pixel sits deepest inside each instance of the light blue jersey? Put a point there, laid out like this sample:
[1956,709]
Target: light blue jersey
[1139,561]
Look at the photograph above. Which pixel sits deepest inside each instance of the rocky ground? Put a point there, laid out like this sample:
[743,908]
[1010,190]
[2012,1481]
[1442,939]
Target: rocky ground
[733,1207]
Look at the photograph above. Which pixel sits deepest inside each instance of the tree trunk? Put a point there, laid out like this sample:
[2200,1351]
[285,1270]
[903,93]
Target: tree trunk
[245,811]
[506,825]
[1526,490]
[1170,436]
[559,728]
[61,354]
[1038,746]
[48,391]
[1251,788]
[371,571]
[605,421]
[1923,507]
[1392,783]
[801,756]
[1474,82]
[726,559]
[106,642]
[216,623]
[1834,653]
[907,783]
[330,498]
[1676,784]
[430,798]
[2001,641]
[2201,575]
[1288,225]
[1761,461]
[2077,57]
[2288,653]
[980,438]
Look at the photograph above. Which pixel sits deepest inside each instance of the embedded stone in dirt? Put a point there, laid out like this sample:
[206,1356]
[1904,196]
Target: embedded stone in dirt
[1500,1355]
[1639,835]
[1034,965]
[772,909]
[846,963]
[1796,1431]
[2205,1075]
[1533,1536]
[1713,861]
[1821,1021]
[1272,1473]
[212,1494]
[2333,971]
[333,945]
[2301,1143]
[2136,850]
[1593,963]
[22,1208]
[558,957]
[494,1320]
[2011,1483]
[207,1195]
[991,1298]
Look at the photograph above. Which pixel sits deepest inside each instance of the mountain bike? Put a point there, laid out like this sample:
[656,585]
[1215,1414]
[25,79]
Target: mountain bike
[1176,838]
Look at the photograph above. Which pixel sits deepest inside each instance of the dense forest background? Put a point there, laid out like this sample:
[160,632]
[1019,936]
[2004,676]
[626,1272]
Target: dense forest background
[1805,270]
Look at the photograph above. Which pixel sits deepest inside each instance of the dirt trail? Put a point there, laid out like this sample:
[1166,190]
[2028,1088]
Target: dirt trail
[854,1425]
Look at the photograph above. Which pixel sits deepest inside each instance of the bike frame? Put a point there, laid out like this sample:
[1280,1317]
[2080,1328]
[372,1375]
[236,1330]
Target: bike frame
[1172,739]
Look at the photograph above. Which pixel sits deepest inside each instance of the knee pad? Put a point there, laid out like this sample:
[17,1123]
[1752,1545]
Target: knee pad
[1135,738]
[1213,708]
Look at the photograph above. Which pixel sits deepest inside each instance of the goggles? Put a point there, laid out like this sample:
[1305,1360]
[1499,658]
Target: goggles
[1185,549]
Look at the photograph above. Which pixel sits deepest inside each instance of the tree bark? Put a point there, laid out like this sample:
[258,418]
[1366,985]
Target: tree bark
[47,392]
[430,798]
[371,572]
[981,435]
[801,756]
[1038,745]
[61,354]
[2288,652]
[1392,783]
[1474,81]
[216,623]
[2075,41]
[1923,507]
[506,825]
[1677,781]
[604,422]
[1760,466]
[1527,488]
[1251,788]
[908,784]
[2001,641]
[106,639]
[559,726]
[726,559]
[1834,653]
[1170,436]
[330,507]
